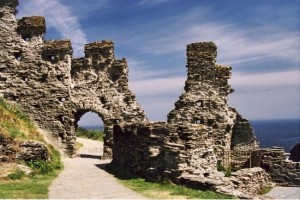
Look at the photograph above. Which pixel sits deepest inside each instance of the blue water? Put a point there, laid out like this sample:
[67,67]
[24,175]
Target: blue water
[283,133]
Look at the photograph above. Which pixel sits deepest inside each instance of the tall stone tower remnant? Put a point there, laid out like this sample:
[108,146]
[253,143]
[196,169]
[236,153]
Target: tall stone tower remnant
[202,132]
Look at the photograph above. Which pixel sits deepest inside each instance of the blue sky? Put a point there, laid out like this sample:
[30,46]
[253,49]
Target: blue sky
[260,39]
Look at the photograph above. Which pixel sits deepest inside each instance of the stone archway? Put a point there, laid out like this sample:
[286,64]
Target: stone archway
[107,132]
[55,88]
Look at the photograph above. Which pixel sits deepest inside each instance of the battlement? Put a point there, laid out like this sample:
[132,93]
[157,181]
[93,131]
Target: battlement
[10,3]
[56,50]
[56,90]
[29,27]
[202,50]
[103,48]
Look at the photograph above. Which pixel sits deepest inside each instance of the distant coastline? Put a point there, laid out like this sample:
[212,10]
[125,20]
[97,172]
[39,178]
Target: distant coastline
[282,132]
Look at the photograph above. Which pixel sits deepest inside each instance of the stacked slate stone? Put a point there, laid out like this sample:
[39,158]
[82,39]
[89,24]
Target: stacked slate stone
[205,103]
[55,89]
[12,150]
[201,131]
[283,172]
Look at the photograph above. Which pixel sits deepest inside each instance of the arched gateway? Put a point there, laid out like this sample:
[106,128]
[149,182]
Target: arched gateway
[55,89]
[202,133]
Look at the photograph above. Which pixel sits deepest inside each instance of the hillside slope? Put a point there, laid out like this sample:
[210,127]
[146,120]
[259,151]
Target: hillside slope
[27,163]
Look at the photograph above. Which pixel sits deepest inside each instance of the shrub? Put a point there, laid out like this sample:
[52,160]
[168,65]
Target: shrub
[18,174]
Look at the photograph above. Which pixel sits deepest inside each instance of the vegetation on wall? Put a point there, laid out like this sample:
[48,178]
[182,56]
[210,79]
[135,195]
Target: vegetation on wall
[16,182]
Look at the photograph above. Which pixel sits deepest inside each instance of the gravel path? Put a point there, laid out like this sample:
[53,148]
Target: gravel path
[84,178]
[284,193]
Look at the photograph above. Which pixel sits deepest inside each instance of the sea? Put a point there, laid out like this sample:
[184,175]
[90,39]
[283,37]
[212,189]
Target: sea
[281,133]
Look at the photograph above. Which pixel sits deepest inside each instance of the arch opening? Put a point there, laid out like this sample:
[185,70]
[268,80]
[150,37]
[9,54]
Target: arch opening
[89,125]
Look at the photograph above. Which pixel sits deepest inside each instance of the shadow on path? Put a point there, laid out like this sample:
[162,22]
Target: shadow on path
[89,156]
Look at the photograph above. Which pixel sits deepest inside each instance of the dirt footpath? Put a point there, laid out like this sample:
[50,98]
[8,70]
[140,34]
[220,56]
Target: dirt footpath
[84,178]
[284,193]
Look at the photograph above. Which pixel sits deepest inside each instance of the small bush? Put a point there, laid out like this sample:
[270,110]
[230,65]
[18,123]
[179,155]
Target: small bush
[264,190]
[45,167]
[228,172]
[221,168]
[41,167]
[17,175]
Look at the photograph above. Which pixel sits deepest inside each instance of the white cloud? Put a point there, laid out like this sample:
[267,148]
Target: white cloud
[158,86]
[59,17]
[139,70]
[235,45]
[171,85]
[286,78]
[276,103]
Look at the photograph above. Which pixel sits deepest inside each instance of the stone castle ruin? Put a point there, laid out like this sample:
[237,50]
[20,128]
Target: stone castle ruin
[201,135]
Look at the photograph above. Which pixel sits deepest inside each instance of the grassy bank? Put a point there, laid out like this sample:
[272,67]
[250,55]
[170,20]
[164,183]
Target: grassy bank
[14,183]
[18,185]
[161,191]
[89,134]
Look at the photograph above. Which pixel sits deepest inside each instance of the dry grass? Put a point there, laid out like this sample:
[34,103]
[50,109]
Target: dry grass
[7,168]
[15,124]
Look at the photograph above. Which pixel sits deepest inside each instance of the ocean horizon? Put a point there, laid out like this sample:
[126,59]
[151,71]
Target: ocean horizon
[281,132]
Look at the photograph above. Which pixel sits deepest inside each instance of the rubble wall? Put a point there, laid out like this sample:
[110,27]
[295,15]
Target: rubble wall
[283,172]
[205,102]
[56,89]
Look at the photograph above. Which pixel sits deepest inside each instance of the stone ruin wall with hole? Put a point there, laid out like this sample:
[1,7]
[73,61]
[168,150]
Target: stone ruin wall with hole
[55,89]
[202,131]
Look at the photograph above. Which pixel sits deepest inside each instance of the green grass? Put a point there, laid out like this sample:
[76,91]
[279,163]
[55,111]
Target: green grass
[161,191]
[90,134]
[265,190]
[17,126]
[34,185]
[15,110]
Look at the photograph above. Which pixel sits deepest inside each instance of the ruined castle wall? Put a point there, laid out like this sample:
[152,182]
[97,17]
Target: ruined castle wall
[100,84]
[282,171]
[55,89]
[162,150]
[183,154]
[30,76]
[201,130]
[205,102]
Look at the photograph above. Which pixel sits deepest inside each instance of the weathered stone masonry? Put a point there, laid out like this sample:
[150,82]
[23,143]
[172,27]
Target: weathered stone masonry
[202,131]
[55,89]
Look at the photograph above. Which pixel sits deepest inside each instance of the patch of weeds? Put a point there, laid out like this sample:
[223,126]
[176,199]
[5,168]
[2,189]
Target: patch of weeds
[17,175]
[165,190]
[221,168]
[14,131]
[46,167]
[34,186]
[15,110]
[40,166]
[264,190]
